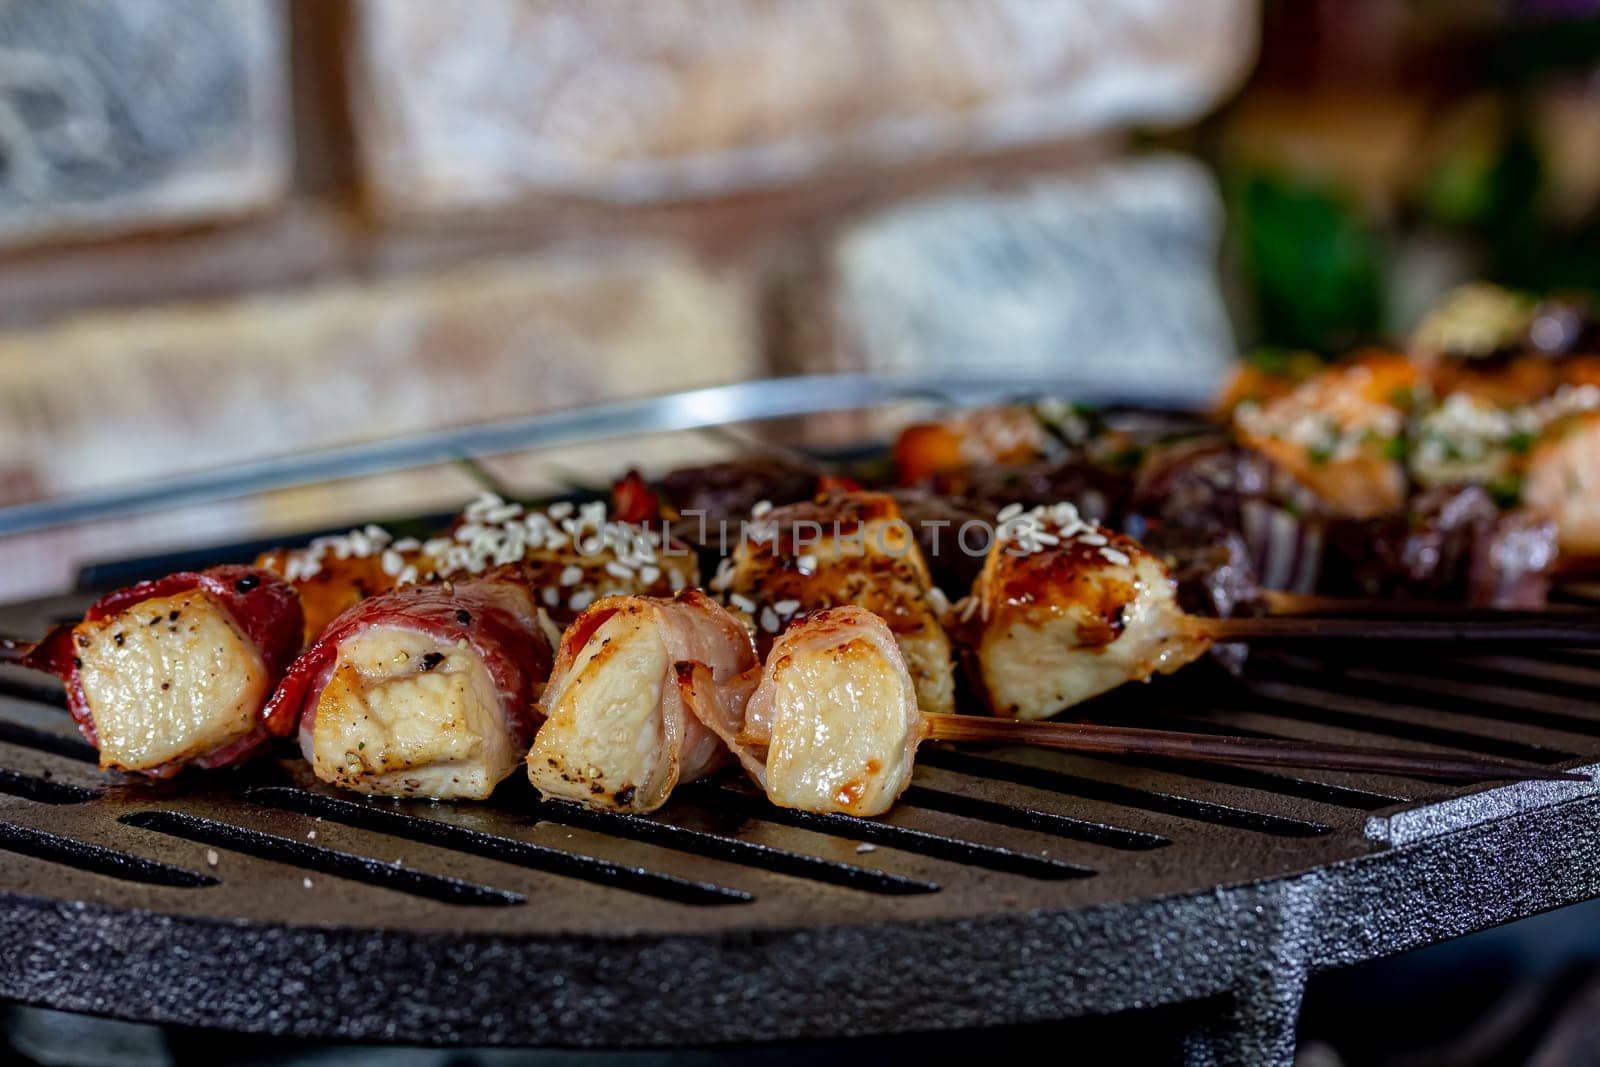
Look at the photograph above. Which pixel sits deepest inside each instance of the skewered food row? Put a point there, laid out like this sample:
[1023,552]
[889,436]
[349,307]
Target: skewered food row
[442,688]
[429,668]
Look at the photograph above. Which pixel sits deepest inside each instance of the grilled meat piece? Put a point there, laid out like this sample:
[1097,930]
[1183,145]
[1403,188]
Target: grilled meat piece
[1065,610]
[833,725]
[1452,544]
[1340,433]
[943,525]
[617,734]
[333,574]
[176,671]
[1512,562]
[1563,481]
[727,491]
[1206,490]
[426,691]
[845,548]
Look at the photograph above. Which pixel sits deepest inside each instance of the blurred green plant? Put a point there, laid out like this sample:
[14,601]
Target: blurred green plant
[1311,265]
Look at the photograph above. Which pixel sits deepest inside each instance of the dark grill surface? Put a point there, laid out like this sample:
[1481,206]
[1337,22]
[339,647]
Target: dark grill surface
[1008,886]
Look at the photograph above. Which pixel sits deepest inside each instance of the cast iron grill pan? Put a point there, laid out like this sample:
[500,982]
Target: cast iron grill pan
[1009,886]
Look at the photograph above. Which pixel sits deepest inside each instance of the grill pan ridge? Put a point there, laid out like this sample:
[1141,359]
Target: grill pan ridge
[1009,886]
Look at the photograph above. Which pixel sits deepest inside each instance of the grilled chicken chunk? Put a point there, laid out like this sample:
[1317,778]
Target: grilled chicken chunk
[833,725]
[846,548]
[176,671]
[169,691]
[1065,610]
[426,691]
[617,734]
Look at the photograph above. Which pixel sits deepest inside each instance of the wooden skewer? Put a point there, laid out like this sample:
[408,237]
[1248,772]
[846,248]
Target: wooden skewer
[1543,628]
[1281,604]
[1250,751]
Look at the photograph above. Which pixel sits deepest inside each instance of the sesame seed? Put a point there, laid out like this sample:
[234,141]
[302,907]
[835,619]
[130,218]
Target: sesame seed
[581,599]
[502,513]
[769,620]
[743,603]
[572,574]
[761,508]
[211,856]
[1010,511]
[807,564]
[551,597]
[787,607]
[617,570]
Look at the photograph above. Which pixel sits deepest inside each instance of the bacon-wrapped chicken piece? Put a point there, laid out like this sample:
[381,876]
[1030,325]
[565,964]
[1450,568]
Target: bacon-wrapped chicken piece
[845,548]
[176,671]
[833,725]
[425,691]
[617,734]
[1065,610]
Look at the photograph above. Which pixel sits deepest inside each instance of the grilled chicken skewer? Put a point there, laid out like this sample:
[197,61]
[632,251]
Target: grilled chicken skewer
[845,548]
[426,691]
[617,734]
[1065,610]
[833,726]
[175,671]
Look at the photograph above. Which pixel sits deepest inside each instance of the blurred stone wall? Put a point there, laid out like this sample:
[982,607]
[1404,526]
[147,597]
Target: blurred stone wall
[236,228]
